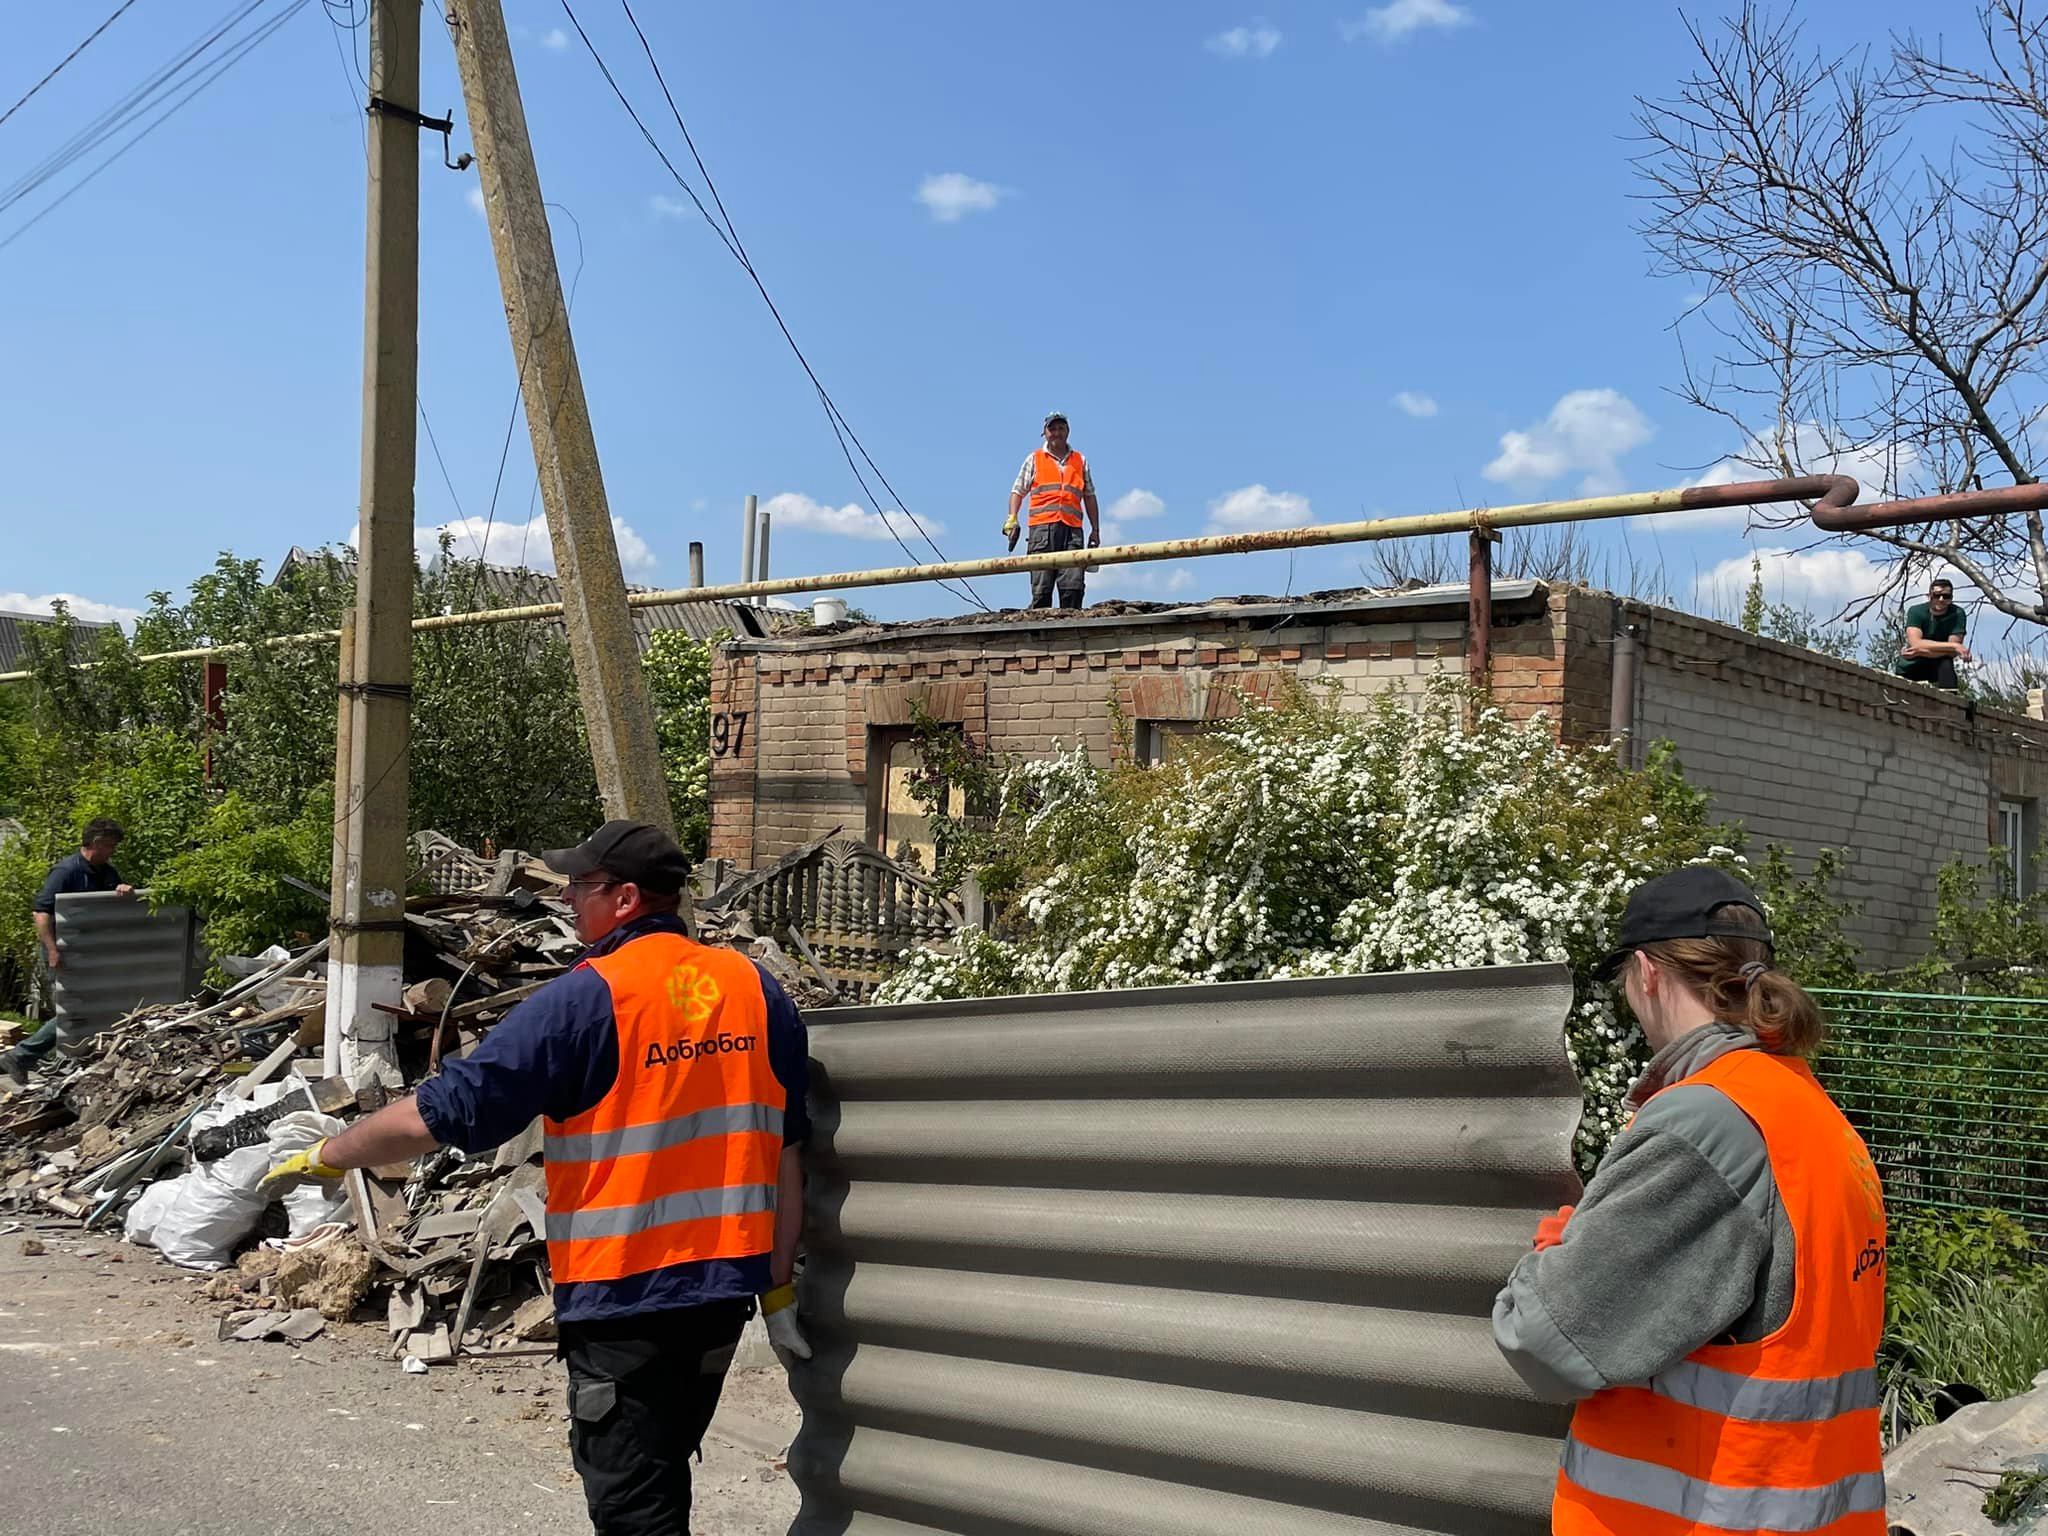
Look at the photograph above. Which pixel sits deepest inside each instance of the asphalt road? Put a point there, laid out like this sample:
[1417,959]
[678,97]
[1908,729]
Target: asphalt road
[120,1413]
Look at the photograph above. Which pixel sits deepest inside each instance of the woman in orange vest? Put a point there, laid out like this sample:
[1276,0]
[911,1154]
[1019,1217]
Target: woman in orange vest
[1057,482]
[1714,1302]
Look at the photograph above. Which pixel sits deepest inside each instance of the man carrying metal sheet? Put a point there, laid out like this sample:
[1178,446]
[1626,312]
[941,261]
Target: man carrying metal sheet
[672,1079]
[89,869]
[1713,1304]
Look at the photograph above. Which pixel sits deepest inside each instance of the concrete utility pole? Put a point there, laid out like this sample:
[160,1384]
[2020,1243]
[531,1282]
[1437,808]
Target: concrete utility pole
[369,932]
[600,626]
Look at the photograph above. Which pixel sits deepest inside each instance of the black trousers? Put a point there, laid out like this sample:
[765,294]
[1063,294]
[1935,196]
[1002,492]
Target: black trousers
[641,1394]
[1044,539]
[1938,670]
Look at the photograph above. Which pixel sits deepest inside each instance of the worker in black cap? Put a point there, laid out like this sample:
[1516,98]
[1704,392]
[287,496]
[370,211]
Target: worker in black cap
[671,1077]
[1713,1304]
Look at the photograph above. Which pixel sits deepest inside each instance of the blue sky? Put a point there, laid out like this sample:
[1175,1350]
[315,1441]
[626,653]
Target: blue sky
[1307,262]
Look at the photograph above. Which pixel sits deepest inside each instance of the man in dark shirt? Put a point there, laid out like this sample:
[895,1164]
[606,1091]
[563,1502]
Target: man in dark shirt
[1934,638]
[89,869]
[672,1080]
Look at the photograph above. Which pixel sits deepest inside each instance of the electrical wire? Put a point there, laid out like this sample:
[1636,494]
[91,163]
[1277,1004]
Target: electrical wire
[138,100]
[58,68]
[728,236]
[227,61]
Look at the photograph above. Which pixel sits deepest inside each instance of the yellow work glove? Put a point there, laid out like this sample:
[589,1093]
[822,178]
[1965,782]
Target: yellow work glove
[778,1315]
[1011,530]
[300,1168]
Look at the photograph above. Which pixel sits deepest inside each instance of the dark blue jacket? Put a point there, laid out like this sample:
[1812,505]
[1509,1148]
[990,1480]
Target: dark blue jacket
[74,874]
[557,1054]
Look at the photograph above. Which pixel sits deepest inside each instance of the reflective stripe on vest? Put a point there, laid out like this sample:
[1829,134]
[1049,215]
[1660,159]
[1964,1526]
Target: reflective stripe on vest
[1057,488]
[689,1205]
[1781,1434]
[1764,1401]
[1671,1492]
[654,1136]
[679,1162]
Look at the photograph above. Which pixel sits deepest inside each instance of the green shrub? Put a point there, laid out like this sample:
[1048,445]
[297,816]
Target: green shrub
[1964,1303]
[1312,839]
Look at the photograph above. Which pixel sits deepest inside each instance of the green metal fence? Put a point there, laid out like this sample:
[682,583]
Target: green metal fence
[1950,1094]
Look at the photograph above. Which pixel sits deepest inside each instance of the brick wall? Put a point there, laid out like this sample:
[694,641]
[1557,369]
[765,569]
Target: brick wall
[1027,690]
[1803,751]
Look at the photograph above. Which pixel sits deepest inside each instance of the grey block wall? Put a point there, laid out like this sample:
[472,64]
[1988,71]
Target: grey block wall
[1811,754]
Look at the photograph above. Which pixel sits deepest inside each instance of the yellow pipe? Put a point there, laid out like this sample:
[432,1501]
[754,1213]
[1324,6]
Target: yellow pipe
[1829,493]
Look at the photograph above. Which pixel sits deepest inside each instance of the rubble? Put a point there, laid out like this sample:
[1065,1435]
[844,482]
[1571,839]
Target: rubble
[450,1248]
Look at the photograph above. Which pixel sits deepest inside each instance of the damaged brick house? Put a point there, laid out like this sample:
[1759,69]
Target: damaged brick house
[812,729]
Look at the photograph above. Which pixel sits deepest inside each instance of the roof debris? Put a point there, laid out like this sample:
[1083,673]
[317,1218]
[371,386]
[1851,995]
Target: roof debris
[447,1251]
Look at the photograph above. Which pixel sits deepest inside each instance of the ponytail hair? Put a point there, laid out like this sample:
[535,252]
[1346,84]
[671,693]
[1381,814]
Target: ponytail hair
[1738,979]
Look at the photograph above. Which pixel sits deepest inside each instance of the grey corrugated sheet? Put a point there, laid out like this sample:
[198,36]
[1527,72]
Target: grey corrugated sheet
[1191,1261]
[506,586]
[119,955]
[14,654]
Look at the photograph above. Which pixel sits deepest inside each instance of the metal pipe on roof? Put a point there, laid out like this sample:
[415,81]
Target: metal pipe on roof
[1479,610]
[696,563]
[1829,499]
[761,551]
[747,542]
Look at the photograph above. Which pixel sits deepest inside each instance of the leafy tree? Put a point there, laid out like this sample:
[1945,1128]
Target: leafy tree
[1870,232]
[678,673]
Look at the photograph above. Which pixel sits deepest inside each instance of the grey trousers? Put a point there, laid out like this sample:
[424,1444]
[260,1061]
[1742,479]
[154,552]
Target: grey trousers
[1047,538]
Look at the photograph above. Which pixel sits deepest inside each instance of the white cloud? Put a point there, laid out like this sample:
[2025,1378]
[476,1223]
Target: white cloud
[1821,581]
[852,521]
[475,198]
[1254,507]
[83,608]
[952,196]
[1131,507]
[1256,41]
[664,207]
[556,39]
[1881,470]
[1586,433]
[514,544]
[1143,580]
[1391,23]
[1414,403]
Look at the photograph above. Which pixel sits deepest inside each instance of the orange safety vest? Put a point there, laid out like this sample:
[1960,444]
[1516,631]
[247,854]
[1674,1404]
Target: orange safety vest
[679,1162]
[1056,488]
[1781,1434]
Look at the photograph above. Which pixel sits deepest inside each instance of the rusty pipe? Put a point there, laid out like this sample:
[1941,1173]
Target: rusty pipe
[1830,499]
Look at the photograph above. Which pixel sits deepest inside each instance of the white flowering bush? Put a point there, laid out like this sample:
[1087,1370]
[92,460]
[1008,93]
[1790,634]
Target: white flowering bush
[1308,840]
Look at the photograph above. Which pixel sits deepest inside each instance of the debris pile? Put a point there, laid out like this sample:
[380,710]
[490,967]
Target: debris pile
[182,1107]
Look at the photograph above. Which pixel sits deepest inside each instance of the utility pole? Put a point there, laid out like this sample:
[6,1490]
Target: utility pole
[369,932]
[608,679]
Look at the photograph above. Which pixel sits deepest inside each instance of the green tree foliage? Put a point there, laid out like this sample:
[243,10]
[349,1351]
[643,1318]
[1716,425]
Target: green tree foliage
[679,686]
[499,755]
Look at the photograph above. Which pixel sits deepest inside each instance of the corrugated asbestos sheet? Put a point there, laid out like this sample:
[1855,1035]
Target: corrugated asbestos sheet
[1192,1261]
[119,955]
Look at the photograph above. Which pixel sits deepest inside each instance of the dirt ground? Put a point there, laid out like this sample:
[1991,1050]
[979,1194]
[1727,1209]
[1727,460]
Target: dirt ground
[120,1409]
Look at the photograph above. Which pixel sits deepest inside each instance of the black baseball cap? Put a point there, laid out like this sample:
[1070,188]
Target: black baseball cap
[633,852]
[1681,905]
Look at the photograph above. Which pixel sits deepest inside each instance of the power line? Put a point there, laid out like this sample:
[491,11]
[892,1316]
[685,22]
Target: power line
[728,235]
[239,50]
[132,104]
[58,68]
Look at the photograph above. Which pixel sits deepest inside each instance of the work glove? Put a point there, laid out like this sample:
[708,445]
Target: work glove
[778,1315]
[1550,1230]
[304,1167]
[1011,529]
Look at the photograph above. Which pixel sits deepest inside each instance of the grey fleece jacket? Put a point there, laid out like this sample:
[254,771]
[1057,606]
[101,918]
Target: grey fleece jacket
[1679,1241]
